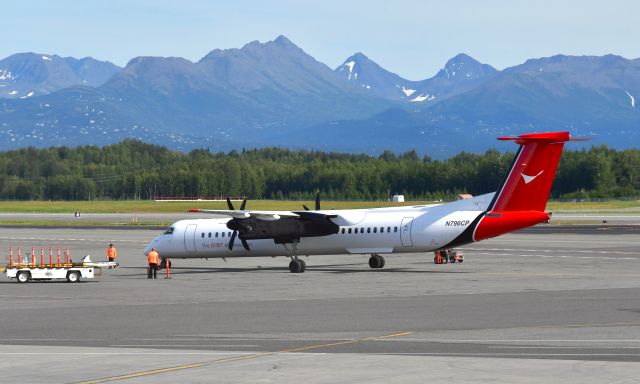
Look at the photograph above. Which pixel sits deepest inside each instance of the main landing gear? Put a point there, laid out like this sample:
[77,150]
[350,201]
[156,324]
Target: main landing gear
[296,265]
[376,261]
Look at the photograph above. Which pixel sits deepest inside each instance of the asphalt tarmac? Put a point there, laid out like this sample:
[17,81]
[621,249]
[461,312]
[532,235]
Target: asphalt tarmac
[552,304]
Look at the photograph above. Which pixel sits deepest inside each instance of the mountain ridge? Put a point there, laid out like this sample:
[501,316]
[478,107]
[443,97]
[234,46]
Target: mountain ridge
[23,75]
[276,94]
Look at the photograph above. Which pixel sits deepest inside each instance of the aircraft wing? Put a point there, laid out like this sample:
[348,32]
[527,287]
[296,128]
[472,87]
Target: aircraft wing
[261,215]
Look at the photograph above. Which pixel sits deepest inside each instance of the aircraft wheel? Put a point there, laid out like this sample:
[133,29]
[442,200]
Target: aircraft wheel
[303,265]
[296,266]
[376,261]
[163,264]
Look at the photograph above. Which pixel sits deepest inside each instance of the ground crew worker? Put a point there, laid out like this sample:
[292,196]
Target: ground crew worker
[154,259]
[112,253]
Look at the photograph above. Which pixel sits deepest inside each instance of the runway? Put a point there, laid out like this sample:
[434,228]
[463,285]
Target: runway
[538,306]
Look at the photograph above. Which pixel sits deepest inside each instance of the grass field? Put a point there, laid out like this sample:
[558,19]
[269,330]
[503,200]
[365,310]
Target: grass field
[594,206]
[146,206]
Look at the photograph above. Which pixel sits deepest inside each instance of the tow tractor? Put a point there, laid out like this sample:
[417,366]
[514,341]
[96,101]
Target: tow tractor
[444,256]
[72,272]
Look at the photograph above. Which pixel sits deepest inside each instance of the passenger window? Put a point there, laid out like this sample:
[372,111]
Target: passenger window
[216,234]
[349,230]
[343,231]
[388,229]
[381,229]
[375,230]
[209,235]
[203,235]
[368,230]
[222,234]
[395,229]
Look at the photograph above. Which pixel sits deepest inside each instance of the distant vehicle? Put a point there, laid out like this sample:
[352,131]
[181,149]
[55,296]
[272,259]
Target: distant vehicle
[519,203]
[444,256]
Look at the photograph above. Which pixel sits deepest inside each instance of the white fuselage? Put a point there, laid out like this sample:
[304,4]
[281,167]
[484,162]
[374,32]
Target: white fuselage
[362,231]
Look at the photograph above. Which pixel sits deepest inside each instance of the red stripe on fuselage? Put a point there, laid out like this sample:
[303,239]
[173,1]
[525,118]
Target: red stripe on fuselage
[496,223]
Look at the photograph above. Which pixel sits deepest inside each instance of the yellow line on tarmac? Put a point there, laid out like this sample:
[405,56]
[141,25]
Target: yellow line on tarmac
[144,373]
[238,358]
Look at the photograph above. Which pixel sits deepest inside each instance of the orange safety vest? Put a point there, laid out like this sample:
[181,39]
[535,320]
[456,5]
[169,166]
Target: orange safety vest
[153,257]
[111,252]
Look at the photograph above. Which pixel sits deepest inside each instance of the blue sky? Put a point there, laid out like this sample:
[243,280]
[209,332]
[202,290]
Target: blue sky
[411,38]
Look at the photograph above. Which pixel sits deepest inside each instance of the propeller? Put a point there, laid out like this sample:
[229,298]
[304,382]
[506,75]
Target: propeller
[235,231]
[317,203]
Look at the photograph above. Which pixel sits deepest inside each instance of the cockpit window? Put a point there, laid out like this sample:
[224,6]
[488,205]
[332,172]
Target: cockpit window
[168,231]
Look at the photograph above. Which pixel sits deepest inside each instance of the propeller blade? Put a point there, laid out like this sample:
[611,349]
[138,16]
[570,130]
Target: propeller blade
[229,204]
[318,201]
[305,207]
[244,204]
[245,244]
[232,240]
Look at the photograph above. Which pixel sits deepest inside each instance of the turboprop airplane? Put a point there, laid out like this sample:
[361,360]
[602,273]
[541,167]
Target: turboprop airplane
[519,203]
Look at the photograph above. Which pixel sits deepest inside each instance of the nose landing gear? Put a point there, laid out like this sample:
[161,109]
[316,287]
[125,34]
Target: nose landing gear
[163,264]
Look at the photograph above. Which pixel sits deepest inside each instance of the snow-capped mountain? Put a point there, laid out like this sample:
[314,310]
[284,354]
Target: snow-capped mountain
[367,74]
[275,94]
[460,74]
[25,75]
[590,96]
[230,96]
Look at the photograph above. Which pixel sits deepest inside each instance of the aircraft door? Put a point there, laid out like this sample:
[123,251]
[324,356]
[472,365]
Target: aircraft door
[405,232]
[190,237]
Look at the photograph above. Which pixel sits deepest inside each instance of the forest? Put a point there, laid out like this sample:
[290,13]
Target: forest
[136,170]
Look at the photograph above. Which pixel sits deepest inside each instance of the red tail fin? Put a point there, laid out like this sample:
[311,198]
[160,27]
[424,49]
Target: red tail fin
[521,201]
[528,184]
